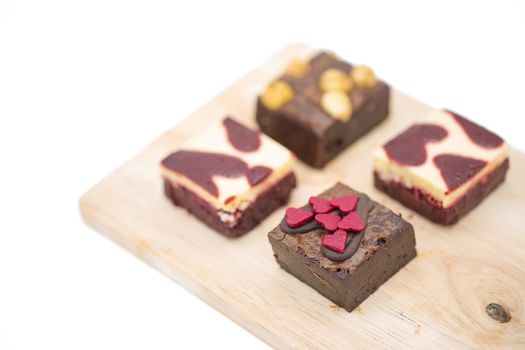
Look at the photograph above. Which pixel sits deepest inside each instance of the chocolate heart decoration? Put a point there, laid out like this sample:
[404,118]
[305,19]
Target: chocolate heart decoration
[335,241]
[346,203]
[352,222]
[319,205]
[296,217]
[328,221]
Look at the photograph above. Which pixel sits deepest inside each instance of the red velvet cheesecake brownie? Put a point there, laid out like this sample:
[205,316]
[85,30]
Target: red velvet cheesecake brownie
[343,244]
[229,177]
[442,167]
[328,104]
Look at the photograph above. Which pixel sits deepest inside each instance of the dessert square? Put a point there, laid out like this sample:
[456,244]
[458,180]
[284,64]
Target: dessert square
[319,107]
[343,244]
[441,167]
[229,177]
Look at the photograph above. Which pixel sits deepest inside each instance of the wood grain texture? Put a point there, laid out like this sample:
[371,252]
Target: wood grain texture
[437,301]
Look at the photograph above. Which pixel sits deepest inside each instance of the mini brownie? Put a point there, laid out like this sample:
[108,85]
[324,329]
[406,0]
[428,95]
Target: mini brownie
[442,167]
[229,177]
[320,107]
[343,244]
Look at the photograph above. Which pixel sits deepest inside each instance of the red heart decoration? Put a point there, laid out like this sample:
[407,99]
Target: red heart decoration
[319,205]
[329,221]
[346,203]
[296,217]
[335,241]
[352,222]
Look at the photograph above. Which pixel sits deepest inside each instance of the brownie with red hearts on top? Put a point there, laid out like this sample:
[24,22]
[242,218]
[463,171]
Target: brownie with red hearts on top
[343,244]
[229,176]
[319,106]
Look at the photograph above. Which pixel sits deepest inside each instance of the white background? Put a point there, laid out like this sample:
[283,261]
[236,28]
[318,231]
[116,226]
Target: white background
[84,85]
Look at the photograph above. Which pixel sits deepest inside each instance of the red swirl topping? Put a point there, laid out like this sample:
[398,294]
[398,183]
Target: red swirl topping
[457,170]
[242,138]
[476,133]
[200,167]
[408,148]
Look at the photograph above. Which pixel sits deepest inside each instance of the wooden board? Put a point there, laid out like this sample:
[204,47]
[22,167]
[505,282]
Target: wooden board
[437,300]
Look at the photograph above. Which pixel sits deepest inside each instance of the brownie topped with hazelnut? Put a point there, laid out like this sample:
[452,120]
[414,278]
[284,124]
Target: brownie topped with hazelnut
[318,107]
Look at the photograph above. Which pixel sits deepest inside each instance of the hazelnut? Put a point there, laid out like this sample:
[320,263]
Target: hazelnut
[337,104]
[334,80]
[277,94]
[363,76]
[297,68]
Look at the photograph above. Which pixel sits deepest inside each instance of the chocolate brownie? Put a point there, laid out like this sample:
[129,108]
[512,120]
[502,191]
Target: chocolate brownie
[343,244]
[320,107]
[442,167]
[229,177]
